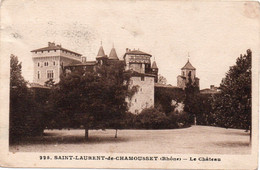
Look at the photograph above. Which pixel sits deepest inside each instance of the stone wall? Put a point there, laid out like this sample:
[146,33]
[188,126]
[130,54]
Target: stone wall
[144,97]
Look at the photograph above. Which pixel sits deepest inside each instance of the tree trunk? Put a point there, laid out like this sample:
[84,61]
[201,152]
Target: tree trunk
[116,134]
[250,134]
[86,134]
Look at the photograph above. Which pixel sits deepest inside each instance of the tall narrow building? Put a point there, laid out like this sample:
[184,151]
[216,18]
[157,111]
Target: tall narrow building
[155,70]
[187,72]
[142,78]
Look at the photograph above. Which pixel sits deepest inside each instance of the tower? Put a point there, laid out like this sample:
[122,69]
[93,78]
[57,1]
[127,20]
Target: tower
[155,70]
[113,54]
[187,72]
[101,56]
[140,64]
[49,62]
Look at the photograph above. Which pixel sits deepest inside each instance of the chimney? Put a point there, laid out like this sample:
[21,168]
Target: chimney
[126,50]
[212,87]
[50,44]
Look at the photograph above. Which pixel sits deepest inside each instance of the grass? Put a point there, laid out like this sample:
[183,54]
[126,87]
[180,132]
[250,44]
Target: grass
[193,140]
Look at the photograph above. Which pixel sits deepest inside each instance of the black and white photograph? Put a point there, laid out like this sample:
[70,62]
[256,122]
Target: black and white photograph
[129,84]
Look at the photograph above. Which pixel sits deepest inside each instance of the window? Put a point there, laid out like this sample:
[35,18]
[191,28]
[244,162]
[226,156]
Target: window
[38,64]
[38,74]
[50,74]
[54,63]
[135,100]
[46,63]
[54,50]
[142,78]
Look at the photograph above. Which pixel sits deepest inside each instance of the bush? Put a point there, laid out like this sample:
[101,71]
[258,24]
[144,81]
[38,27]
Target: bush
[179,120]
[151,118]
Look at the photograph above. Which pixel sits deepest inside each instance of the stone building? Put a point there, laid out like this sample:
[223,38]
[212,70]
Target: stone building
[143,78]
[48,62]
[188,71]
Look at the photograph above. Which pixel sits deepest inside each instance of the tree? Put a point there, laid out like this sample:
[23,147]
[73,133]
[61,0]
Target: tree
[93,99]
[191,97]
[49,83]
[162,80]
[232,107]
[22,120]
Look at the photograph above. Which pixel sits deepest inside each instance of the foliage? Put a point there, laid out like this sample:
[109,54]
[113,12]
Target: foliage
[49,83]
[151,118]
[232,108]
[191,105]
[24,115]
[94,99]
[162,80]
[165,96]
[178,120]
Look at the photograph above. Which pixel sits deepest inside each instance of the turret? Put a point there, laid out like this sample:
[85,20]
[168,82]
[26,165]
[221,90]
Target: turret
[101,56]
[155,69]
[113,55]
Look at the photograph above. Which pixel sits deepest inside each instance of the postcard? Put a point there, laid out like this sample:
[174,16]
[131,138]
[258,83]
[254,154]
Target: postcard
[142,84]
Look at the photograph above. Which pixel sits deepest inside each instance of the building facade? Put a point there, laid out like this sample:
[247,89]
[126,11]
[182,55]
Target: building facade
[143,78]
[49,61]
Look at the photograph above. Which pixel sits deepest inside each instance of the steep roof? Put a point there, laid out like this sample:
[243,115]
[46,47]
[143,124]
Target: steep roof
[101,52]
[154,65]
[113,55]
[188,66]
[52,46]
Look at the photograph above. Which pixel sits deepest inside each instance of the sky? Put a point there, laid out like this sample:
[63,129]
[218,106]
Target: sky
[213,33]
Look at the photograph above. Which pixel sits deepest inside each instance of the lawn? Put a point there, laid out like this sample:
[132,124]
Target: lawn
[193,140]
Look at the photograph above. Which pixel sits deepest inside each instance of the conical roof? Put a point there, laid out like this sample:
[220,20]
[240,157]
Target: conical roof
[188,66]
[101,52]
[154,65]
[113,55]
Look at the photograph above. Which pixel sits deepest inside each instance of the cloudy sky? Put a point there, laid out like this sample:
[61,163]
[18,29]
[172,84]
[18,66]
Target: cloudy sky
[214,33]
